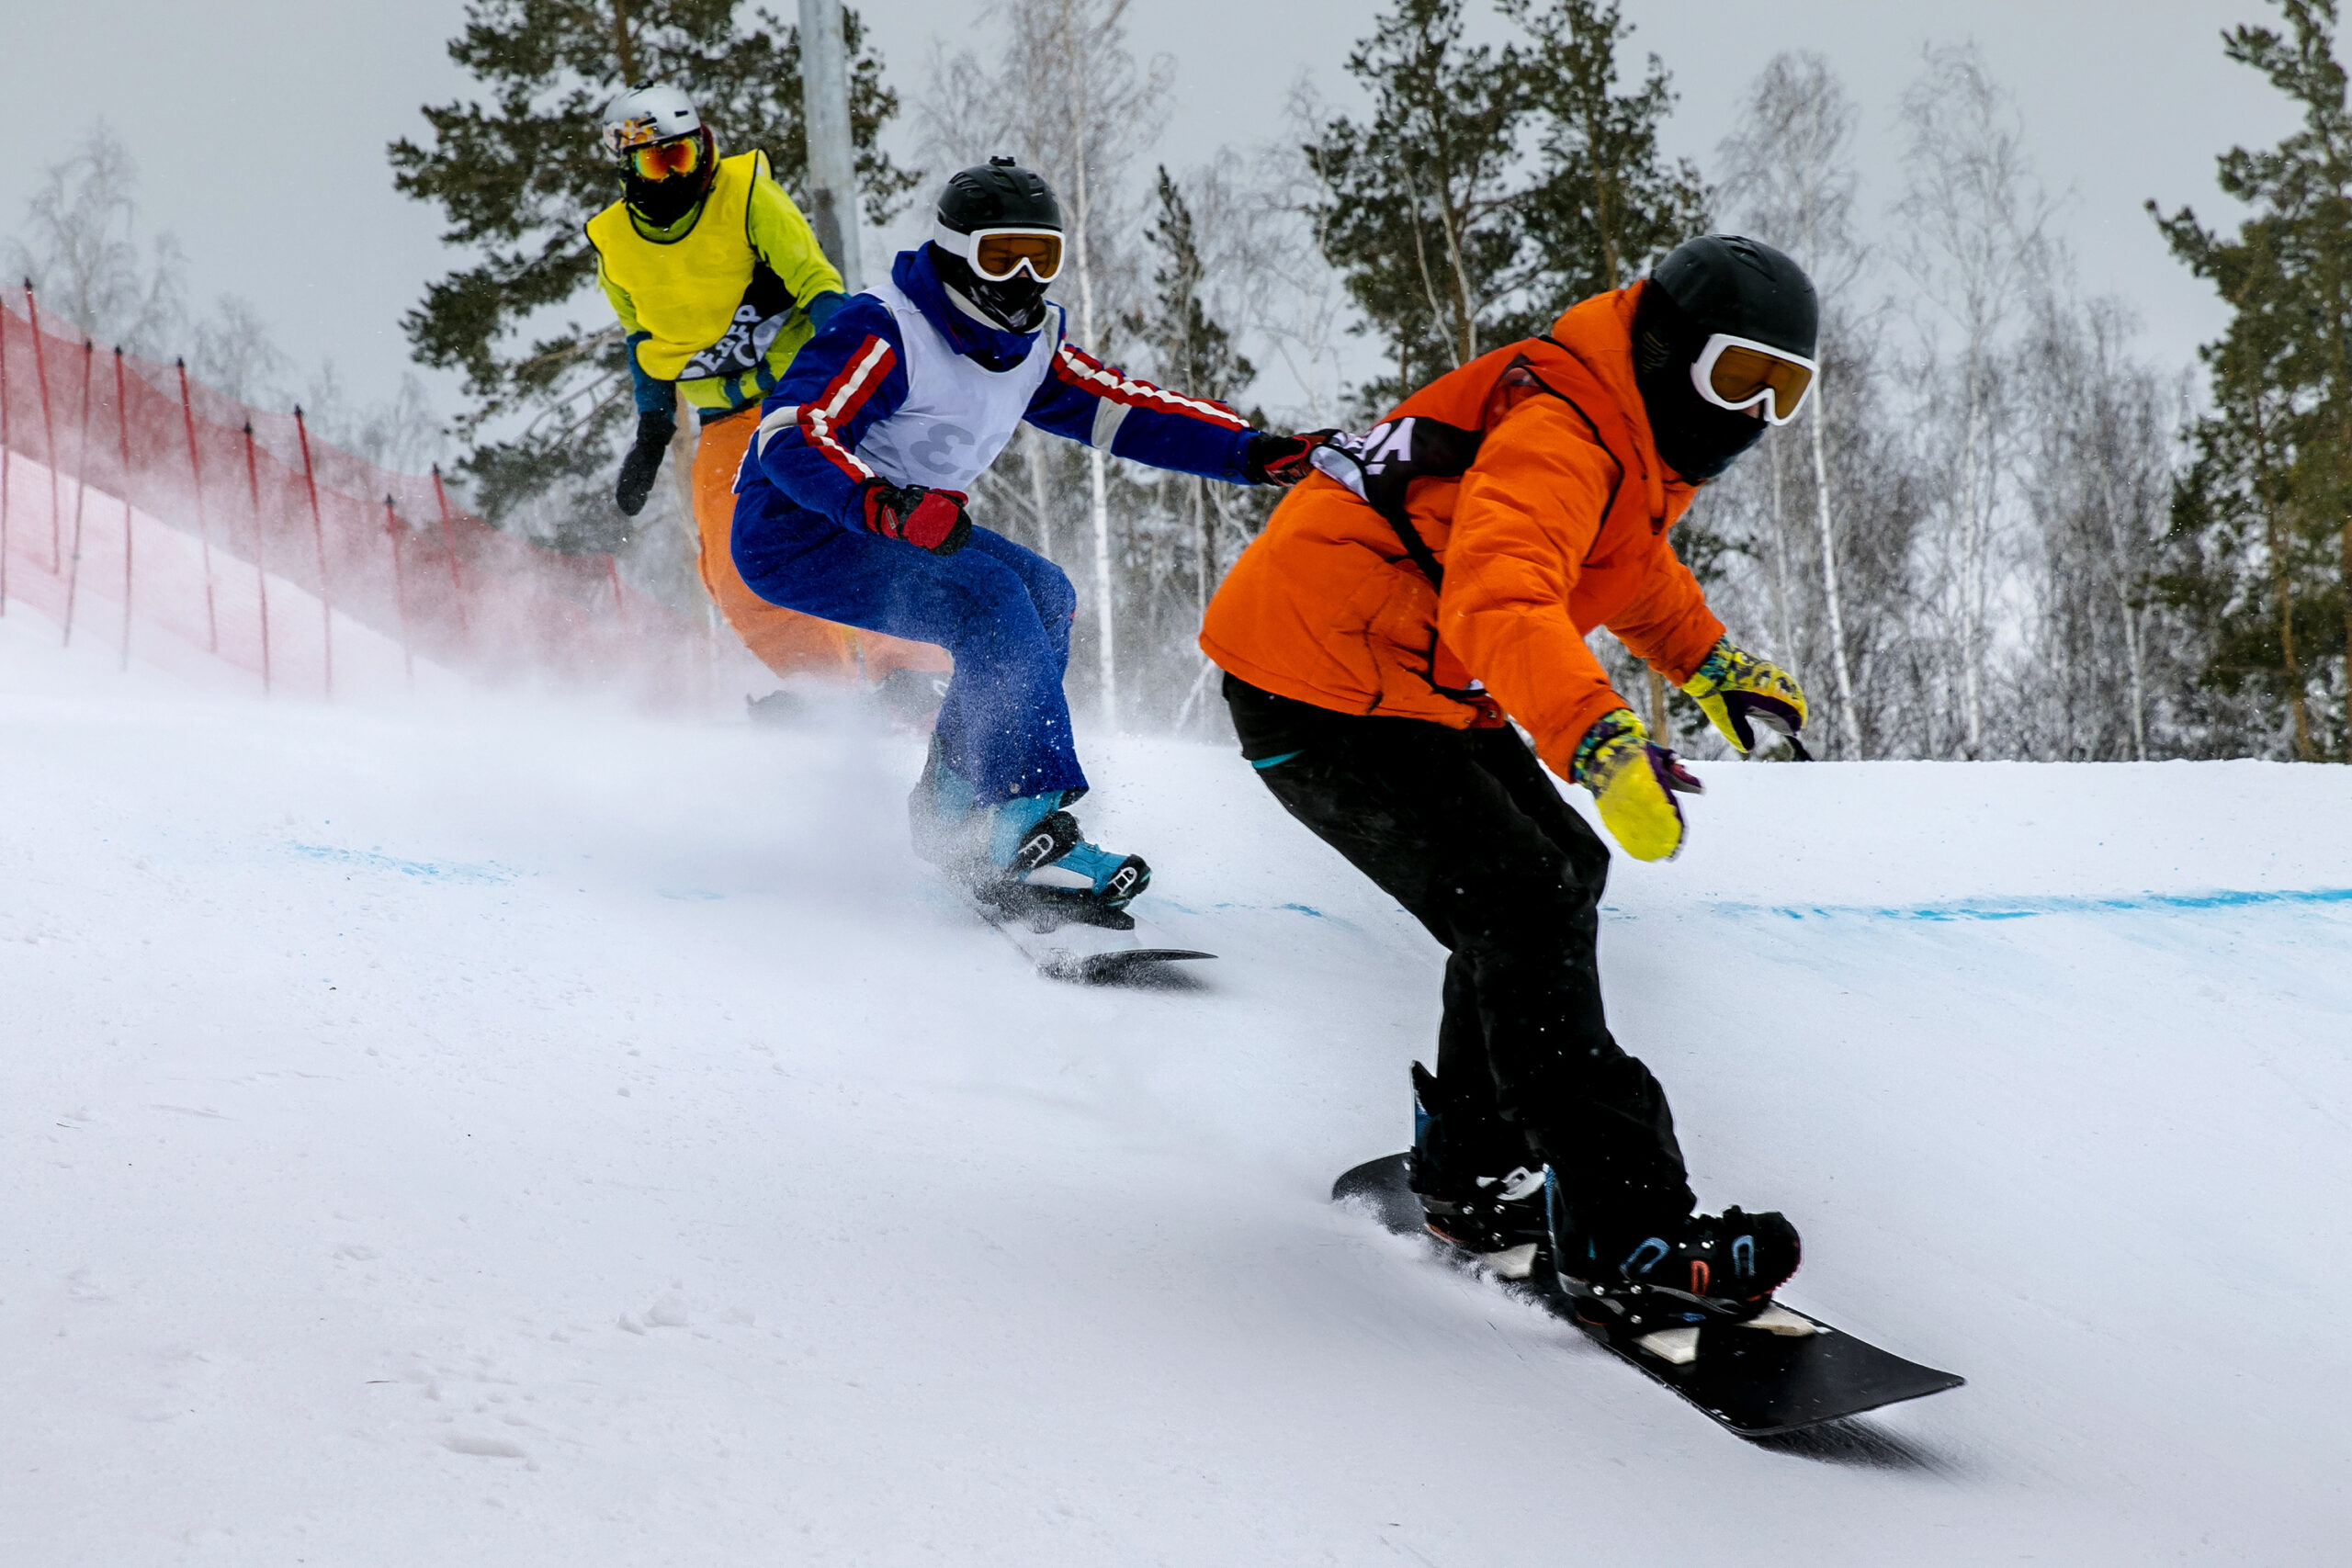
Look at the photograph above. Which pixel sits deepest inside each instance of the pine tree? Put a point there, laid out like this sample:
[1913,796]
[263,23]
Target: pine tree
[1424,200]
[1607,202]
[518,175]
[2262,523]
[1494,187]
[1611,202]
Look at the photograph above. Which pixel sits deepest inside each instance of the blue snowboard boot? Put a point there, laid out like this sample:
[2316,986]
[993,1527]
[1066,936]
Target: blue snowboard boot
[1024,857]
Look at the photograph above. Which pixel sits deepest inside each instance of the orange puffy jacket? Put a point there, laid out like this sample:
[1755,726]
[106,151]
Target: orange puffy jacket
[1557,526]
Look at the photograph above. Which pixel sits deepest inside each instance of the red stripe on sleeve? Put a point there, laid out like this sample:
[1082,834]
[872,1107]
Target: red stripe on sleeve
[1081,369]
[842,396]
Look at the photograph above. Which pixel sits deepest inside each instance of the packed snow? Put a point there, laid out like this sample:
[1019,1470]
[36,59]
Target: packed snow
[455,1131]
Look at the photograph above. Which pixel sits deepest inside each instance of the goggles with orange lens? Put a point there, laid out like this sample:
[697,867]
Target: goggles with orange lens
[666,160]
[997,254]
[1739,373]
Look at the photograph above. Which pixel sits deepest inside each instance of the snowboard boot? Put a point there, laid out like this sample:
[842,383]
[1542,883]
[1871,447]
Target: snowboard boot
[1025,857]
[1495,1221]
[1045,871]
[1710,1267]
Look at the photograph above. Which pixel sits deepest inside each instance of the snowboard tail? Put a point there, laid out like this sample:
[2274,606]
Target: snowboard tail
[1781,1373]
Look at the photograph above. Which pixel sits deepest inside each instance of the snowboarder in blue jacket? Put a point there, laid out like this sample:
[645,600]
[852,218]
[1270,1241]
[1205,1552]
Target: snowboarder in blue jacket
[851,506]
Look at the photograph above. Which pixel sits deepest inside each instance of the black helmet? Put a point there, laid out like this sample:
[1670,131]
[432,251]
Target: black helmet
[1717,283]
[999,194]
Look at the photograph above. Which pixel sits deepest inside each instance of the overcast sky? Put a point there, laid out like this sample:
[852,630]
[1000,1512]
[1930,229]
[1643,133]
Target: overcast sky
[260,125]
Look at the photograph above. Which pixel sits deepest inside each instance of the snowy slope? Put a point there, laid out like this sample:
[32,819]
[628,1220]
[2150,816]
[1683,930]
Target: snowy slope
[473,1135]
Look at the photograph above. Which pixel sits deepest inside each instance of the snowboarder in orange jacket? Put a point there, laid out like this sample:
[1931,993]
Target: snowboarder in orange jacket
[1434,584]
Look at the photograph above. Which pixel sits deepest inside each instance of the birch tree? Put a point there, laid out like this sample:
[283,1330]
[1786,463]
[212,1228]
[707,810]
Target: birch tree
[1789,174]
[1973,246]
[1064,95]
[2098,482]
[83,251]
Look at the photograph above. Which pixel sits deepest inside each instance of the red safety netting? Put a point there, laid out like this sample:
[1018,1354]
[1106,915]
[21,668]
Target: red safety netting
[138,503]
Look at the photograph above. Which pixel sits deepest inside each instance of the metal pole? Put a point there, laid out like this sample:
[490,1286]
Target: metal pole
[319,533]
[833,156]
[203,528]
[122,423]
[261,551]
[48,425]
[81,486]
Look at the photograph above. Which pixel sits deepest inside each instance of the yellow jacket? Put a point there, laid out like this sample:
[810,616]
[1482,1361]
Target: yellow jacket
[719,303]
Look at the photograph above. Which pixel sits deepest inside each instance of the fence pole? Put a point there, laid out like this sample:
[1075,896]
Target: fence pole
[449,542]
[261,551]
[48,425]
[400,593]
[620,605]
[203,527]
[122,423]
[81,485]
[7,463]
[319,533]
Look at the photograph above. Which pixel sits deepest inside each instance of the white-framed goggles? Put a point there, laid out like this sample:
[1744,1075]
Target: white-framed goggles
[997,254]
[1738,373]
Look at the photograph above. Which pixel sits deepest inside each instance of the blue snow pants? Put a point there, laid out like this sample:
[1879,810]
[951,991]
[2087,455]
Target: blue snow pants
[1003,611]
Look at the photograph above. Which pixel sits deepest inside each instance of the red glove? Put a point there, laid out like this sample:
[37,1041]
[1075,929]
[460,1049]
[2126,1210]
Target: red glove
[931,519]
[1283,460]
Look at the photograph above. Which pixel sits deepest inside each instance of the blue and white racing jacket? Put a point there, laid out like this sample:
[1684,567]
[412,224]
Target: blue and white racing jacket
[904,385]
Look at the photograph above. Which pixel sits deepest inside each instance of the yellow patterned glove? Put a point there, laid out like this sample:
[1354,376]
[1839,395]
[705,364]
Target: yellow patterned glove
[1634,784]
[1732,687]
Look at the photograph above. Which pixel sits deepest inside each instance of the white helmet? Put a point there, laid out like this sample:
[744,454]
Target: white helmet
[647,113]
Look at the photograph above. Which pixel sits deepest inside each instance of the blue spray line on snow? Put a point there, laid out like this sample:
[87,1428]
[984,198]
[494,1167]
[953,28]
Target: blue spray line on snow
[2029,909]
[370,859]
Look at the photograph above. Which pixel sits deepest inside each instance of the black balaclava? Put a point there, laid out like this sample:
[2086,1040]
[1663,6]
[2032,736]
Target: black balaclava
[1713,284]
[660,203]
[998,194]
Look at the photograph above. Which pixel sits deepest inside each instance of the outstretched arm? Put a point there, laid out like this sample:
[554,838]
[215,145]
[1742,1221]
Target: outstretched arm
[1105,408]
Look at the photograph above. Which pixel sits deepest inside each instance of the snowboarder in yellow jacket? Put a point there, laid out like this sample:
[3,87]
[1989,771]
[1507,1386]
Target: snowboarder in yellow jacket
[718,280]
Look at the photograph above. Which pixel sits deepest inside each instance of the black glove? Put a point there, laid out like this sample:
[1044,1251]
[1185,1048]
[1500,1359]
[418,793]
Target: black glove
[1281,459]
[644,460]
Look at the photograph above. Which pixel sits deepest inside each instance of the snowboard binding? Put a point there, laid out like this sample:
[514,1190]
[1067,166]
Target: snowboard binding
[1025,859]
[1086,884]
[1719,1268]
[1494,1222]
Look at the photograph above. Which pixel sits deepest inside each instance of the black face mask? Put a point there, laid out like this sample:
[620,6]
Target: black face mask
[1017,304]
[661,203]
[1697,439]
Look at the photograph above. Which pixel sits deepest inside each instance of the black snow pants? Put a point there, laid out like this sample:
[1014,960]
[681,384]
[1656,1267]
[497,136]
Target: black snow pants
[1463,828]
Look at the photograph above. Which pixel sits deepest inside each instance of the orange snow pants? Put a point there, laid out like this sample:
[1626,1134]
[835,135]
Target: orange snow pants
[784,640]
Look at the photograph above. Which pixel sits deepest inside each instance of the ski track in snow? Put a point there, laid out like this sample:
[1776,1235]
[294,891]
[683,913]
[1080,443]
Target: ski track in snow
[467,1133]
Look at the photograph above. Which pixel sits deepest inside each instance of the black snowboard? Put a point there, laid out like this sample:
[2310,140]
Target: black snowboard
[1749,1381]
[1096,951]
